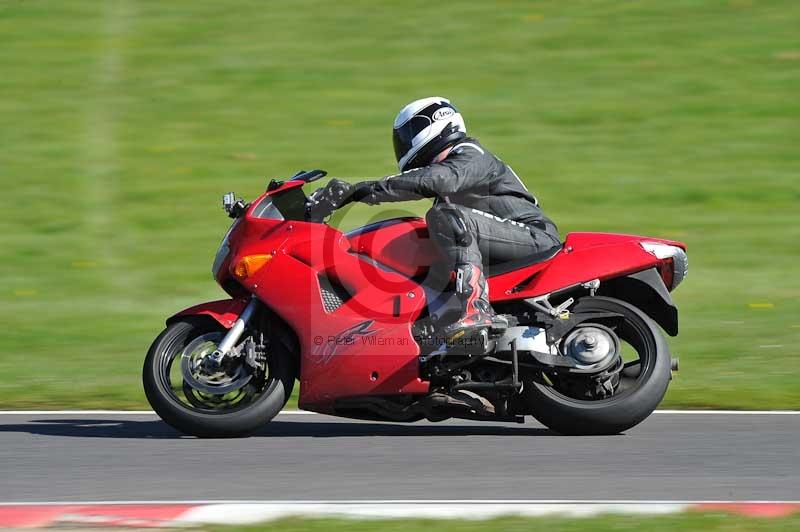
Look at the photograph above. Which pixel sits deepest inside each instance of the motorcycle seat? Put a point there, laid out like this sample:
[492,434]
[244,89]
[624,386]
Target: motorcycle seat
[536,258]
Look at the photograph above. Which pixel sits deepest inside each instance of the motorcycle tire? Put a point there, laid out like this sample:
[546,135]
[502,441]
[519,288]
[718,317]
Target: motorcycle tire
[570,416]
[225,424]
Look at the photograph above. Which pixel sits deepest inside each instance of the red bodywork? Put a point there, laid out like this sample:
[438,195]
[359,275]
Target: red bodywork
[365,346]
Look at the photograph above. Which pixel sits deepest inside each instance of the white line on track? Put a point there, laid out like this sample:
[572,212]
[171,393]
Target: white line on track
[307,413]
[248,512]
[429,502]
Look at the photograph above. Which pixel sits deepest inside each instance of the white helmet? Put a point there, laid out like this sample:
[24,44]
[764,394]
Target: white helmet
[423,129]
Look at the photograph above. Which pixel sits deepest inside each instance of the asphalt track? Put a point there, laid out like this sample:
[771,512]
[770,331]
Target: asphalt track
[122,457]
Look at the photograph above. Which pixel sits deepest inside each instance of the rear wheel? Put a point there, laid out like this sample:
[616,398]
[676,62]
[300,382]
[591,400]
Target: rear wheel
[611,402]
[235,400]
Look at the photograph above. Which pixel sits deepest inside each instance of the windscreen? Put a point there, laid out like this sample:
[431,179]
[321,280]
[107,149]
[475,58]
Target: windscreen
[291,204]
[267,210]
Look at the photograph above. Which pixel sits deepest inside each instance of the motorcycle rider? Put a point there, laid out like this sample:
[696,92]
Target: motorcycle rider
[482,211]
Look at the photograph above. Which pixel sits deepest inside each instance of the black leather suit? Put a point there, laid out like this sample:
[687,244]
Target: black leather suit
[483,213]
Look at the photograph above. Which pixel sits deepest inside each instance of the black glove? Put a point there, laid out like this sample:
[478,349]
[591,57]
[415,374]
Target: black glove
[327,199]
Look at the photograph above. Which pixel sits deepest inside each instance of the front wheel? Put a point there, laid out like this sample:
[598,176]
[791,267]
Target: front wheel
[582,404]
[247,392]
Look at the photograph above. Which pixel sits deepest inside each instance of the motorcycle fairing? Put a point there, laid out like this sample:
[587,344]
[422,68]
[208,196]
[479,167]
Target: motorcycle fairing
[584,257]
[361,343]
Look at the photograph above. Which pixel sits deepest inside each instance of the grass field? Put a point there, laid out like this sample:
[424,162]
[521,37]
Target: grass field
[699,521]
[123,122]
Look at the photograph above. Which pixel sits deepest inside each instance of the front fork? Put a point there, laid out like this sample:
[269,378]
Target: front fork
[233,335]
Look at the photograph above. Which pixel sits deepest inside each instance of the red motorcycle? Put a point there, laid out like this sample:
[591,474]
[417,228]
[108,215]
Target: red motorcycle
[352,317]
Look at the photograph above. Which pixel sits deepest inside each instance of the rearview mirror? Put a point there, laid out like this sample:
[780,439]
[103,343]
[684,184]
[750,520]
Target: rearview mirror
[232,206]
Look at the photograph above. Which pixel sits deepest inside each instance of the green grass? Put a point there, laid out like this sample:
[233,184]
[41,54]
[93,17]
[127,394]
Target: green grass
[694,521]
[122,123]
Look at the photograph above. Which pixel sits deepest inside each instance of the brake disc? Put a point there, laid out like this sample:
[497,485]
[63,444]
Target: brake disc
[217,383]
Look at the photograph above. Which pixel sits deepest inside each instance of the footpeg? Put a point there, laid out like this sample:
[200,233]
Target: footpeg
[474,344]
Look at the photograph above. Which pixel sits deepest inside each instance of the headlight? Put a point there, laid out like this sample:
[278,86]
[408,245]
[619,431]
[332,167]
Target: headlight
[680,262]
[224,249]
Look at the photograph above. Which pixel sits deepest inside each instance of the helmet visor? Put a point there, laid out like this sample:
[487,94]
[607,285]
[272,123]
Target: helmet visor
[403,136]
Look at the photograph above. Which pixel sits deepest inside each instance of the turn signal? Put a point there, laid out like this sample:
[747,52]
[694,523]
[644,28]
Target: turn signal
[249,265]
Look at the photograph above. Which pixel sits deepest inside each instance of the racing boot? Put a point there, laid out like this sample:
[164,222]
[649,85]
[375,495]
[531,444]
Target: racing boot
[477,313]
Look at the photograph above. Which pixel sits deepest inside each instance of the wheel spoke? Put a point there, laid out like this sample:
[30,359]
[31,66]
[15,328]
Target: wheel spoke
[632,369]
